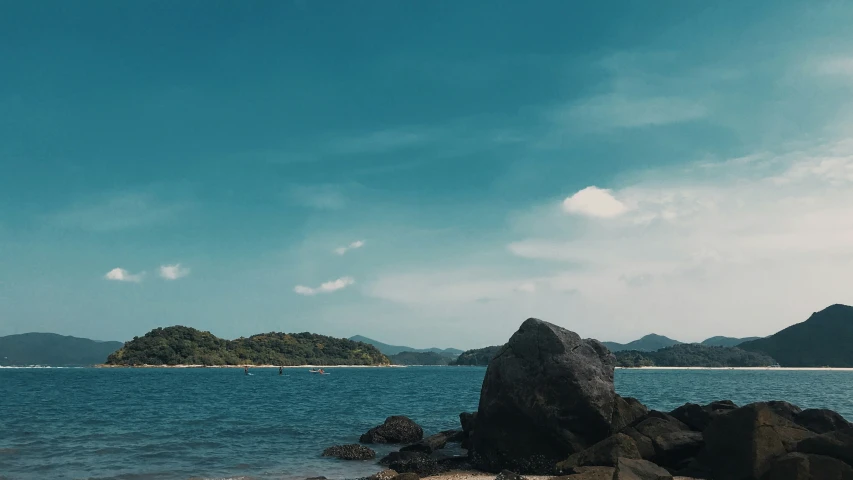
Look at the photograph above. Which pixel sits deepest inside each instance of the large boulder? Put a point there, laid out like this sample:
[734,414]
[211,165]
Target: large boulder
[838,444]
[821,420]
[741,444]
[803,466]
[396,429]
[546,394]
[350,452]
[626,410]
[603,454]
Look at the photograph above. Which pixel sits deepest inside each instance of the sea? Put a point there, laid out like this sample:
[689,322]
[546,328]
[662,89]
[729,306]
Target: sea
[217,423]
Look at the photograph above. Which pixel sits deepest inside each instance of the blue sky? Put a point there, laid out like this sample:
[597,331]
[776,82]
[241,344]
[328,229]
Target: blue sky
[617,168]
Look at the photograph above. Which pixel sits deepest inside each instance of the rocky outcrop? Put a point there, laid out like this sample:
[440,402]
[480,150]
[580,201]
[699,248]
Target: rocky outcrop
[350,452]
[396,429]
[411,462]
[697,417]
[603,453]
[838,444]
[803,466]
[546,395]
[632,469]
[433,442]
[626,411]
[589,473]
[741,444]
[387,474]
[821,420]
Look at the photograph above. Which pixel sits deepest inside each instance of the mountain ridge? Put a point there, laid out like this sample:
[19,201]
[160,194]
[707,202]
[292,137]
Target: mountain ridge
[388,349]
[53,349]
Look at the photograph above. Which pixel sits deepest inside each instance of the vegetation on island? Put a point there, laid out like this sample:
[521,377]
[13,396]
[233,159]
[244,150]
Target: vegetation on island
[821,341]
[477,356]
[180,345]
[726,341]
[648,343]
[693,355]
[420,358]
[50,349]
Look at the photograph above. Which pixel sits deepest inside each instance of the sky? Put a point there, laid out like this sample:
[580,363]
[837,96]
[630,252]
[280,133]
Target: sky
[425,173]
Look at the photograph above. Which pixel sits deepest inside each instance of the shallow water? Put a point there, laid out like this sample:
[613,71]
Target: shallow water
[219,423]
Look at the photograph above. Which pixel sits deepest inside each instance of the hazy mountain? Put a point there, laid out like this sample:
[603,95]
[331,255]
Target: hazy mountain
[824,339]
[395,349]
[726,341]
[649,343]
[50,349]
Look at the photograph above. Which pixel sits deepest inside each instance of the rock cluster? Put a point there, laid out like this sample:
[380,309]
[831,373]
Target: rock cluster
[548,406]
[350,452]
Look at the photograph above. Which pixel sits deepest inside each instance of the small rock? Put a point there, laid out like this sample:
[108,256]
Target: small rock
[432,443]
[396,429]
[589,473]
[316,478]
[837,444]
[383,475]
[676,447]
[350,452]
[626,411]
[407,476]
[508,475]
[655,426]
[644,443]
[632,469]
[411,462]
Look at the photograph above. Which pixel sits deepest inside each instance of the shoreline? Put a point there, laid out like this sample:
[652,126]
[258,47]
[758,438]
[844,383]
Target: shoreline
[245,365]
[798,369]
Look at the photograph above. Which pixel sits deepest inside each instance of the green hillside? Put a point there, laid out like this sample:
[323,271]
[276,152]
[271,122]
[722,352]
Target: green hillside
[50,349]
[180,345]
[726,341]
[693,355]
[477,356]
[824,339]
[648,343]
[419,358]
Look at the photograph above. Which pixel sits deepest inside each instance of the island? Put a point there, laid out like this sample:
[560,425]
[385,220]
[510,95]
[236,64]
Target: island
[693,355]
[179,345]
[476,357]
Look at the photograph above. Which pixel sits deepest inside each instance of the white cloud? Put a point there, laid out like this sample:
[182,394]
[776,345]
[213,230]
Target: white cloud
[173,272]
[327,287]
[351,246]
[122,275]
[838,65]
[120,211]
[594,202]
[619,110]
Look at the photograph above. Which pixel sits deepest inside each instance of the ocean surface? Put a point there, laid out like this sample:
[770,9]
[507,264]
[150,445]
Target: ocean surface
[219,423]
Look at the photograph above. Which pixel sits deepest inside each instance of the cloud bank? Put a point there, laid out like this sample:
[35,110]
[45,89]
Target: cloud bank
[173,272]
[351,246]
[122,275]
[327,287]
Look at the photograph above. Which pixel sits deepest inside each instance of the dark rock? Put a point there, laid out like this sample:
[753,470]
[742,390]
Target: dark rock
[740,444]
[626,410]
[632,469]
[589,473]
[603,453]
[655,426]
[722,405]
[432,443]
[508,475]
[820,420]
[316,478]
[411,462]
[784,409]
[693,415]
[467,421]
[675,448]
[350,452]
[802,466]
[644,443]
[407,476]
[383,475]
[546,394]
[661,415]
[838,444]
[396,429]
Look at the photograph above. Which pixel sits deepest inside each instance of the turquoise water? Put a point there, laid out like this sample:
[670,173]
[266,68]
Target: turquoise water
[218,423]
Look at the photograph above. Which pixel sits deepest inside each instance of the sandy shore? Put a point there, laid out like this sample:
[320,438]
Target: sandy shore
[804,369]
[250,366]
[473,475]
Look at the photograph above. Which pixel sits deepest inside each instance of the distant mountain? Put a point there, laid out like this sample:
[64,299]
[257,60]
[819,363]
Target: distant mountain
[179,345]
[824,339]
[477,356]
[693,355]
[395,349]
[50,349]
[419,358]
[649,343]
[726,341]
